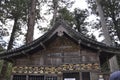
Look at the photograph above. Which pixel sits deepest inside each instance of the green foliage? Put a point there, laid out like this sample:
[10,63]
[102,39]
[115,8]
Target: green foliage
[111,10]
[80,16]
[1,62]
[105,67]
[8,74]
[14,9]
[17,11]
[66,14]
[9,70]
[75,19]
[3,32]
[92,5]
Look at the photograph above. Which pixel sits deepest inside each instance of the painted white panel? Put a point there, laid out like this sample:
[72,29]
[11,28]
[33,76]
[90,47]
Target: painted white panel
[69,79]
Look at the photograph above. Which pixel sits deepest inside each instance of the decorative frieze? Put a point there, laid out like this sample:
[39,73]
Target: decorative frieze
[55,70]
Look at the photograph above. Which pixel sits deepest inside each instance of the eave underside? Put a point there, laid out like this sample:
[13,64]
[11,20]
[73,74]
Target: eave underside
[103,50]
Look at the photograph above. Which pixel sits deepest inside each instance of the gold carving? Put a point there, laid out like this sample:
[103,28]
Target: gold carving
[55,70]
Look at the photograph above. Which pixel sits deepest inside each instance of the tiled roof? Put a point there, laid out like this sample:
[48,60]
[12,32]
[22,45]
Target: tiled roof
[64,28]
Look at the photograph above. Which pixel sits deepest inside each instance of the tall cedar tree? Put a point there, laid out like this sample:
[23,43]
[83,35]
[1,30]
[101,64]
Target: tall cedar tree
[31,21]
[105,29]
[113,61]
[111,10]
[103,23]
[14,10]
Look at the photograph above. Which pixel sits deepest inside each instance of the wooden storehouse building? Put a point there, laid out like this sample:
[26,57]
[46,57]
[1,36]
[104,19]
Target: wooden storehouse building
[60,54]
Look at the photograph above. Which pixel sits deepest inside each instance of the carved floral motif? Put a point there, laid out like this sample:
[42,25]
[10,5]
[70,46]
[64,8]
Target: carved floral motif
[55,70]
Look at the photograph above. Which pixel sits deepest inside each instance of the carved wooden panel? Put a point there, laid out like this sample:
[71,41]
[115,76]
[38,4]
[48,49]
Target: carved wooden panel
[55,70]
[63,44]
[60,55]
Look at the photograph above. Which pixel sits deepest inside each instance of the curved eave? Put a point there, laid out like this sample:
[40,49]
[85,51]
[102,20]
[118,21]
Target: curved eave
[26,49]
[83,40]
[69,32]
[16,52]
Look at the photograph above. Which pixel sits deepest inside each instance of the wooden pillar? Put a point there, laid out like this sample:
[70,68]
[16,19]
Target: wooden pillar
[113,61]
[60,77]
[80,75]
[11,77]
[26,77]
[113,64]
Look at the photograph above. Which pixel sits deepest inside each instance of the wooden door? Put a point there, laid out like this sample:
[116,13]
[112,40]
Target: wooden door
[85,75]
[19,77]
[35,77]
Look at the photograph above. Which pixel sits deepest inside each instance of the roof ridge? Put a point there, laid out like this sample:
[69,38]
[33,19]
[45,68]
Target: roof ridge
[71,33]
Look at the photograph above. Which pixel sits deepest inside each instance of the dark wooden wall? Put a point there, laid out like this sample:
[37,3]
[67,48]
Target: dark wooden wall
[59,51]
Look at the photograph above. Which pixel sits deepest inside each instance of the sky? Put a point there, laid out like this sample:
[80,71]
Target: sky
[82,4]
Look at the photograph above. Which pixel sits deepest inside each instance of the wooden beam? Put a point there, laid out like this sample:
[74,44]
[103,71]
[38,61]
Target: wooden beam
[42,45]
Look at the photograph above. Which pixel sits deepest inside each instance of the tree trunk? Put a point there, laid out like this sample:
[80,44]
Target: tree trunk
[108,41]
[55,6]
[105,30]
[10,46]
[31,21]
